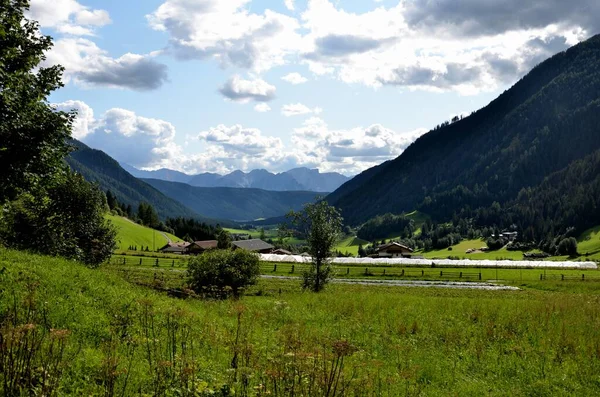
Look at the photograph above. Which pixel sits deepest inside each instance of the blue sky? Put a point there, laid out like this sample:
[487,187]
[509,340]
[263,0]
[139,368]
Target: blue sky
[207,85]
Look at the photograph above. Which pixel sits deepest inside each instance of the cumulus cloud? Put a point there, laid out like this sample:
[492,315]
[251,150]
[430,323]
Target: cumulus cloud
[88,65]
[262,107]
[466,46]
[297,109]
[488,17]
[289,4]
[67,16]
[240,90]
[294,78]
[227,32]
[84,122]
[127,137]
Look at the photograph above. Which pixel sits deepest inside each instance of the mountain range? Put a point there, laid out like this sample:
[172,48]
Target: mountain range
[238,204]
[302,179]
[545,127]
[174,199]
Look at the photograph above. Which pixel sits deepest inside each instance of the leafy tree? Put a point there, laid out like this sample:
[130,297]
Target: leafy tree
[361,251]
[45,207]
[224,240]
[568,246]
[322,225]
[68,220]
[219,273]
[32,134]
[262,233]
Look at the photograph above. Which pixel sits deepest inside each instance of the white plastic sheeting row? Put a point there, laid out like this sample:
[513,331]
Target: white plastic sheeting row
[437,262]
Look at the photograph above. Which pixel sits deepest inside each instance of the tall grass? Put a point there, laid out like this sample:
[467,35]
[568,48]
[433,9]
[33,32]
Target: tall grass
[97,334]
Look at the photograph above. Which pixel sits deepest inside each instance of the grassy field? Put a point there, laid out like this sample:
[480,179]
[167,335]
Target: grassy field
[91,332]
[132,234]
[386,272]
[350,245]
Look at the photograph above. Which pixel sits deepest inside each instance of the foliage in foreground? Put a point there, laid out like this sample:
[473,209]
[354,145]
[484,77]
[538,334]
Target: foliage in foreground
[44,207]
[66,220]
[95,334]
[220,273]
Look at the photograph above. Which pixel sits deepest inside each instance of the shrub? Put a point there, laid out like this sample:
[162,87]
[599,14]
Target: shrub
[568,246]
[220,273]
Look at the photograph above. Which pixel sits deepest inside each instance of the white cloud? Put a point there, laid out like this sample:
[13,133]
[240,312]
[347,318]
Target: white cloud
[294,78]
[84,122]
[88,65]
[298,109]
[150,144]
[240,90]
[262,107]
[67,16]
[289,4]
[413,45]
[227,32]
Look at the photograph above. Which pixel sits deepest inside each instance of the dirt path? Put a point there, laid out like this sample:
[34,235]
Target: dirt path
[414,283]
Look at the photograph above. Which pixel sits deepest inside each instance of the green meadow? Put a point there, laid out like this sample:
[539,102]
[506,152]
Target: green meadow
[106,332]
[133,234]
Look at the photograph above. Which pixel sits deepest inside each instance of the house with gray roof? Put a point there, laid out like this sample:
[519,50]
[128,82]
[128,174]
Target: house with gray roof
[254,245]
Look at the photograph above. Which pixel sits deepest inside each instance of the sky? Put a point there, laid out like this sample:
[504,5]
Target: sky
[219,85]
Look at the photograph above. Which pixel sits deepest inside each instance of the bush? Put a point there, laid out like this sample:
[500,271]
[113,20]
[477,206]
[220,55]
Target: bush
[568,246]
[220,273]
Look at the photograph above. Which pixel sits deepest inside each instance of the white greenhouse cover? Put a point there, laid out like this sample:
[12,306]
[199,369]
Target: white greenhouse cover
[437,262]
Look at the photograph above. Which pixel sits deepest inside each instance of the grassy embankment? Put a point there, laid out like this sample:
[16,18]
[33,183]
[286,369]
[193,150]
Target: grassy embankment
[132,234]
[95,333]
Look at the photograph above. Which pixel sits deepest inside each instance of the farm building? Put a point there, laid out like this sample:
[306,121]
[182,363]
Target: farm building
[281,251]
[198,247]
[254,245]
[174,248]
[394,250]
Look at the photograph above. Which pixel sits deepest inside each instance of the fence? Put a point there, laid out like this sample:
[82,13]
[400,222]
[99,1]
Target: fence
[370,271]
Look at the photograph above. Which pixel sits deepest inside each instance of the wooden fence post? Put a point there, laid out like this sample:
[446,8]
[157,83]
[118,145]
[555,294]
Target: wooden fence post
[441,273]
[156,264]
[274,268]
[479,276]
[347,271]
[292,269]
[140,261]
[173,264]
[460,275]
[583,277]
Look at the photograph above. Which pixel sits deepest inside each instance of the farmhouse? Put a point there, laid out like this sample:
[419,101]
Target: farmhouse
[198,247]
[254,245]
[281,251]
[394,250]
[175,248]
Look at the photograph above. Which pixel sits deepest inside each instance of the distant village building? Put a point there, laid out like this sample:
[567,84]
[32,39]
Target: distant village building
[198,247]
[281,251]
[394,250]
[175,248]
[254,245]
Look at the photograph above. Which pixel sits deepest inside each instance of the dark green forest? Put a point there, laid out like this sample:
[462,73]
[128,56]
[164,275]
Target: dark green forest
[526,161]
[97,166]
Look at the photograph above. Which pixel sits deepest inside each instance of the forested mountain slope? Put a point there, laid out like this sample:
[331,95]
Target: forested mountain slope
[239,204]
[97,166]
[546,121]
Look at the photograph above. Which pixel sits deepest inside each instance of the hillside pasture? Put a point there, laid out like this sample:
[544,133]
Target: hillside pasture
[132,234]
